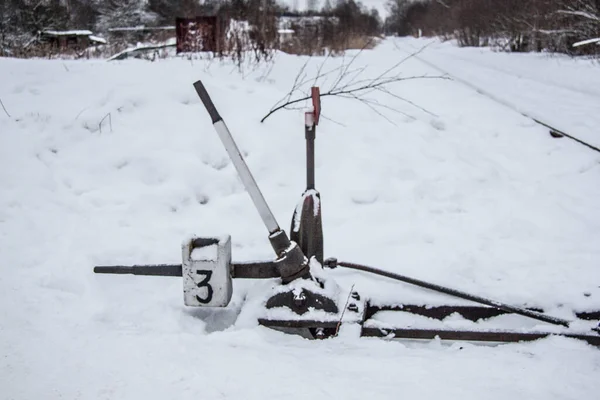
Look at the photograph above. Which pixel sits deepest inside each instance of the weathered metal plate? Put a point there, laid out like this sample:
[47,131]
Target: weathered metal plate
[206,271]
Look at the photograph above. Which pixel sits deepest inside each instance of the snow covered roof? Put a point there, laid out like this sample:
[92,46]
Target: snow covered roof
[67,33]
[141,28]
[80,33]
[97,39]
[589,41]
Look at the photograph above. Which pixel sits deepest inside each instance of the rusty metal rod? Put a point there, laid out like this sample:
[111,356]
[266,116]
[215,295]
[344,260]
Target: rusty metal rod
[242,270]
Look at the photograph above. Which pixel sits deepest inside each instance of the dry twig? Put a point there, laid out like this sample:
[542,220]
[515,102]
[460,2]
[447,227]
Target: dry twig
[4,108]
[109,122]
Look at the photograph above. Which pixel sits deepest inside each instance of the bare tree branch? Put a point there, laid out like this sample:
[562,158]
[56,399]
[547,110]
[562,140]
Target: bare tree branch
[332,120]
[582,14]
[347,84]
[385,90]
[375,110]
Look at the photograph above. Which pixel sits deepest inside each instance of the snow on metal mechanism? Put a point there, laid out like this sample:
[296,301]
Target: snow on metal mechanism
[305,300]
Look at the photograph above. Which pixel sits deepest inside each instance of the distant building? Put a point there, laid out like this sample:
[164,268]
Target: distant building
[306,34]
[75,39]
[202,33]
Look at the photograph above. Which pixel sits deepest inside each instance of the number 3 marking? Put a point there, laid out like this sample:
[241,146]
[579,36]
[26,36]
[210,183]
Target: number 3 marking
[204,283]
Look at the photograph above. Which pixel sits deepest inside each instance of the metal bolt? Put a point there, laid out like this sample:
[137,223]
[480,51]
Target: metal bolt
[299,300]
[320,333]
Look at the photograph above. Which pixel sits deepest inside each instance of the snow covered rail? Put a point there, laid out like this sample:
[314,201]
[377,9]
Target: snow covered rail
[498,336]
[554,131]
[456,293]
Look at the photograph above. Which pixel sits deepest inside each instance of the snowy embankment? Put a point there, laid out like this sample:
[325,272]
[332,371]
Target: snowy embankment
[117,162]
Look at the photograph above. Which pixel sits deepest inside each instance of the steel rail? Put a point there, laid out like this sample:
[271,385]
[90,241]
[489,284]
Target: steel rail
[509,105]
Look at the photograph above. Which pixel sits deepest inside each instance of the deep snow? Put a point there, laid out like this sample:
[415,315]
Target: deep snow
[470,195]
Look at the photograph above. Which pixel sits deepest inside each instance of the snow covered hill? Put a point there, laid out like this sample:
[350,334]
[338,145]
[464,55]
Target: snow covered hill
[104,163]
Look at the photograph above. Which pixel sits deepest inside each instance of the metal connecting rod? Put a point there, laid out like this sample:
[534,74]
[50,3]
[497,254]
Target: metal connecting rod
[457,293]
[238,161]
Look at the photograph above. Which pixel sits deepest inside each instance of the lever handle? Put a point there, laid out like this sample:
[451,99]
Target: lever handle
[207,101]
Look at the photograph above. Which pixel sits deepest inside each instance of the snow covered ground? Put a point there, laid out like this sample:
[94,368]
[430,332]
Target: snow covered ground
[104,163]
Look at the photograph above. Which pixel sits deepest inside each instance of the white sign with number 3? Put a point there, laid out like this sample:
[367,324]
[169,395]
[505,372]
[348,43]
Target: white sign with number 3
[207,272]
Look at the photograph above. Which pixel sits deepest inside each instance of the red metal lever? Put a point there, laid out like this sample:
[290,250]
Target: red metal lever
[316,102]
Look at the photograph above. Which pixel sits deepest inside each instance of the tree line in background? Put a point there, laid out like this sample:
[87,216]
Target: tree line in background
[338,23]
[513,25]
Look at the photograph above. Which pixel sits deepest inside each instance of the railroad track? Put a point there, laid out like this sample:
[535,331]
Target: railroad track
[554,131]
